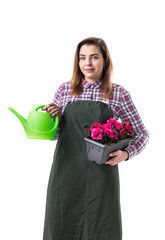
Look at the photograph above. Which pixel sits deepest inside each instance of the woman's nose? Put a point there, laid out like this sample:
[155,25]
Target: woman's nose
[88,61]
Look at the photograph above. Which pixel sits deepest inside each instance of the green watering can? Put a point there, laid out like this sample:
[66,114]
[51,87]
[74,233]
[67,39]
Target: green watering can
[39,125]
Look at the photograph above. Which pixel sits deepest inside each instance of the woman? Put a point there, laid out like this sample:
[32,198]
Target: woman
[83,200]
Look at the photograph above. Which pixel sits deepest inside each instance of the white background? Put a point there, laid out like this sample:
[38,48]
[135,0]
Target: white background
[38,42]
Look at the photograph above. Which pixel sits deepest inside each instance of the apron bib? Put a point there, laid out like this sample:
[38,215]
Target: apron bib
[83,197]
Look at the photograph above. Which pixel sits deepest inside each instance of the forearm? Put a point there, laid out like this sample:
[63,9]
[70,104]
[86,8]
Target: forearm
[138,144]
[128,112]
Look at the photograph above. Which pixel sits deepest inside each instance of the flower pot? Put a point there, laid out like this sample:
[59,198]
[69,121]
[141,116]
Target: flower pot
[100,153]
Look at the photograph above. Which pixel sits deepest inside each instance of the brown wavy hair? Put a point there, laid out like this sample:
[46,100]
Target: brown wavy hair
[76,80]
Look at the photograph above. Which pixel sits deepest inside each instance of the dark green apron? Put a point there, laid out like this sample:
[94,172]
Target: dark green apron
[83,201]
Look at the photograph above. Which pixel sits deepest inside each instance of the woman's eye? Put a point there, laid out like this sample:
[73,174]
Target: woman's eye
[95,57]
[82,58]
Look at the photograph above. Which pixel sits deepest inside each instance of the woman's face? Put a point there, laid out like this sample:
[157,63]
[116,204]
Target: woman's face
[91,62]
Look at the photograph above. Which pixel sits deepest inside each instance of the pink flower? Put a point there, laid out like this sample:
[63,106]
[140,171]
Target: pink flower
[127,126]
[110,121]
[118,126]
[97,125]
[122,132]
[96,134]
[111,134]
[107,129]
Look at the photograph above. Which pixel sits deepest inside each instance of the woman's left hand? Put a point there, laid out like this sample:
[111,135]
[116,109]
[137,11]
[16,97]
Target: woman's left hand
[117,157]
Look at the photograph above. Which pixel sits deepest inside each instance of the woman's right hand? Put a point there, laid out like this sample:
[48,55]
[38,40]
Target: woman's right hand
[53,110]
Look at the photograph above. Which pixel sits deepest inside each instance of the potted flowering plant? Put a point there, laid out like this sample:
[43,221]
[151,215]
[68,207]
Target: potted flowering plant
[106,138]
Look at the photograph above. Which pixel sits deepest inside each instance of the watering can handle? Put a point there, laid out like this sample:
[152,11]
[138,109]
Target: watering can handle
[55,119]
[40,106]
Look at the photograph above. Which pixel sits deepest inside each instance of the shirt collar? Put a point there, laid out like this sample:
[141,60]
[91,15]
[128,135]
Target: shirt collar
[86,84]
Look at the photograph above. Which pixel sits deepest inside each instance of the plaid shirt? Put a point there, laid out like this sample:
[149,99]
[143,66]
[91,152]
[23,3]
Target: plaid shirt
[121,104]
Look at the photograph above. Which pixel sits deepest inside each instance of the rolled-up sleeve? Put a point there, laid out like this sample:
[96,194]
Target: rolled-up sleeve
[128,112]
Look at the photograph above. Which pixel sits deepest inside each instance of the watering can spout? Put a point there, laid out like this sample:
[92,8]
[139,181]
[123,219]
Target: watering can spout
[22,120]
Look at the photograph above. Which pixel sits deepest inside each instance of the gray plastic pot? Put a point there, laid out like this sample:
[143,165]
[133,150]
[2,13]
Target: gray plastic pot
[100,153]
